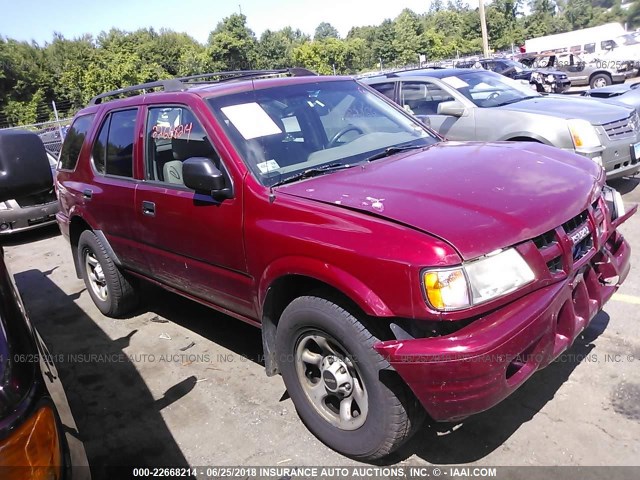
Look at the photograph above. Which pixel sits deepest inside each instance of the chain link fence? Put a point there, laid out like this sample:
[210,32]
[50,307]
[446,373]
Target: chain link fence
[51,133]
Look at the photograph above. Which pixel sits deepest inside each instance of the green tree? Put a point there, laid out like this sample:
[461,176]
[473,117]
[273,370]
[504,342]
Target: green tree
[325,30]
[232,45]
[578,13]
[409,41]
[275,49]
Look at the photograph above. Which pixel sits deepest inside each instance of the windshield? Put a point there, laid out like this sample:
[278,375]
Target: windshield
[516,65]
[488,89]
[628,39]
[283,131]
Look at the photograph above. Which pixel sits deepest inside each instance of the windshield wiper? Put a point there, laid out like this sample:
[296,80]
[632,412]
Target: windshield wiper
[313,172]
[387,152]
[515,100]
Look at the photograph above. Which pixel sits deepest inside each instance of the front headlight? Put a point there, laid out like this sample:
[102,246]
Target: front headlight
[551,78]
[583,134]
[477,281]
[614,202]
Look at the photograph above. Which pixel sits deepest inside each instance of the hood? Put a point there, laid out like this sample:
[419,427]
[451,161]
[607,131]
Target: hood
[544,71]
[610,90]
[596,113]
[478,197]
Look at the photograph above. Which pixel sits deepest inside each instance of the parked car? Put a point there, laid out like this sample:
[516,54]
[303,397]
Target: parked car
[548,81]
[30,211]
[36,424]
[624,94]
[580,73]
[383,265]
[468,104]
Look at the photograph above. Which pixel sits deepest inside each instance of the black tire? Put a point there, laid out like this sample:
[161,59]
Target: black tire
[599,78]
[121,295]
[393,413]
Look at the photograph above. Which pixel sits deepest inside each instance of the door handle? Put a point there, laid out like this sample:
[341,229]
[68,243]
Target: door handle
[87,194]
[149,208]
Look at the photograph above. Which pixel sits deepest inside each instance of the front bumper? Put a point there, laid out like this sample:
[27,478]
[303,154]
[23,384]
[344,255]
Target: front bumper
[563,85]
[470,371]
[619,77]
[26,218]
[618,159]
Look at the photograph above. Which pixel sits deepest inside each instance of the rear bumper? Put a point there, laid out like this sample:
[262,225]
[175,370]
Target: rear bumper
[467,372]
[27,218]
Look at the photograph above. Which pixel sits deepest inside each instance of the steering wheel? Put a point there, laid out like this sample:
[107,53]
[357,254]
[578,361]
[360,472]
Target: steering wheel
[493,95]
[334,140]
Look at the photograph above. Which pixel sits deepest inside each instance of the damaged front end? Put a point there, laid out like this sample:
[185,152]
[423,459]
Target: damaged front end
[474,368]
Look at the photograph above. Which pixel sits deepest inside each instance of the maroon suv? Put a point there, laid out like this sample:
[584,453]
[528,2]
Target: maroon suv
[391,272]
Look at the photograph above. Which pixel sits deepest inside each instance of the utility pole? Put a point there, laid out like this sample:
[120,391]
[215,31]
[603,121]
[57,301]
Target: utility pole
[483,26]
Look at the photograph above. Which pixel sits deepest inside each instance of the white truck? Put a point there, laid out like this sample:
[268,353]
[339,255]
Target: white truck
[608,46]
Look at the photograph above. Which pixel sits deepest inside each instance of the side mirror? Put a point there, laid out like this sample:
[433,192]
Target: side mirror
[24,166]
[424,119]
[200,174]
[452,107]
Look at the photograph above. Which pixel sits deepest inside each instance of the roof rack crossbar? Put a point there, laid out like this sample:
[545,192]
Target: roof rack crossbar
[237,74]
[169,85]
[180,83]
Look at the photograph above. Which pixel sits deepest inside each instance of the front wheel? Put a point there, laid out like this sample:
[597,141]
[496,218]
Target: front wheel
[339,384]
[111,291]
[600,80]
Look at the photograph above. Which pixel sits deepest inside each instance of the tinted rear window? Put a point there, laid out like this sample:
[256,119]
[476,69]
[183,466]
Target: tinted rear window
[73,142]
[120,143]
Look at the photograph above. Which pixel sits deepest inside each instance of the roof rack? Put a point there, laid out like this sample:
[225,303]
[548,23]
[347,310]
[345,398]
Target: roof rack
[392,73]
[182,83]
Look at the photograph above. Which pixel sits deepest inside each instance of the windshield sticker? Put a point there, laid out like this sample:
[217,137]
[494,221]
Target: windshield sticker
[268,166]
[455,82]
[251,120]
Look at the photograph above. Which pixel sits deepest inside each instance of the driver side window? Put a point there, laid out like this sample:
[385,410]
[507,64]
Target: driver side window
[174,134]
[422,98]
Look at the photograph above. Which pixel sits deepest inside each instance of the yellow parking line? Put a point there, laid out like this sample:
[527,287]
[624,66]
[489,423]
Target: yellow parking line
[626,298]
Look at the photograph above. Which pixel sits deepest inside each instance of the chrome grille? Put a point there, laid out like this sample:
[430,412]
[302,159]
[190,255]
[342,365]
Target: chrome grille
[626,128]
[578,231]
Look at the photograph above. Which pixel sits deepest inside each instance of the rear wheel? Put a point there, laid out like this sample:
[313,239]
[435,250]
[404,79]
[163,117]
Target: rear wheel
[111,291]
[339,383]
[600,80]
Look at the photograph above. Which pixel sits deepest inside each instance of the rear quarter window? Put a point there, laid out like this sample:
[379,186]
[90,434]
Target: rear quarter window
[73,142]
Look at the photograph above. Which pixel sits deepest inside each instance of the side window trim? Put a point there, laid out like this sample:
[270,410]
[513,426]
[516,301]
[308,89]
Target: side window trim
[94,169]
[91,118]
[108,116]
[145,146]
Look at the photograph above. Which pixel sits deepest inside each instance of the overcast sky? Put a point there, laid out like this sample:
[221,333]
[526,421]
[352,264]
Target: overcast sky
[38,19]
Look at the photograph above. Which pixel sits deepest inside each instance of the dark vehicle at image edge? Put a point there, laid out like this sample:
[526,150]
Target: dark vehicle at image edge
[384,265]
[38,436]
